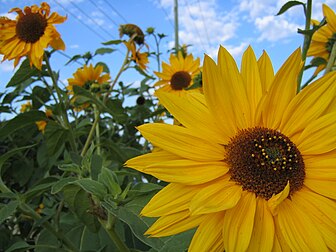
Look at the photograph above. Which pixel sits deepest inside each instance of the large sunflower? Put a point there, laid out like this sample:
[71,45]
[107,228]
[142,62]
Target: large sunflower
[324,38]
[31,32]
[254,167]
[179,74]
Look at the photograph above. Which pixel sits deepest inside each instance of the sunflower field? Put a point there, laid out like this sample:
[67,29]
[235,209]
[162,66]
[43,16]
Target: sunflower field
[196,156]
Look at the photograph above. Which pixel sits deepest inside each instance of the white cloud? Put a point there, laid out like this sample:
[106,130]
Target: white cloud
[274,28]
[6,66]
[74,46]
[8,15]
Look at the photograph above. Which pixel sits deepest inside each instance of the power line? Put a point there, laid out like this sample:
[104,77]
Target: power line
[94,21]
[205,28]
[198,32]
[165,12]
[115,10]
[104,13]
[87,26]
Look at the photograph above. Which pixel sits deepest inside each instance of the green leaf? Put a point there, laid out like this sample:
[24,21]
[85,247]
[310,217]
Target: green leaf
[142,188]
[21,121]
[23,73]
[113,42]
[83,206]
[105,67]
[41,187]
[289,5]
[94,187]
[18,246]
[7,210]
[104,50]
[318,61]
[58,186]
[39,96]
[96,166]
[56,136]
[110,180]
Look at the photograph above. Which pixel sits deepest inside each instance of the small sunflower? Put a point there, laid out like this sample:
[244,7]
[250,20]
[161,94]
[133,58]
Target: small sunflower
[31,32]
[179,74]
[324,38]
[26,107]
[254,167]
[141,59]
[41,125]
[90,78]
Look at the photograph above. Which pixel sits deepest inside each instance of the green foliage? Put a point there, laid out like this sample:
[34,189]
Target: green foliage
[64,186]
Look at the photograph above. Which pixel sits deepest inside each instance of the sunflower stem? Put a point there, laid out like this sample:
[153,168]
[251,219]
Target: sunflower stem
[306,41]
[90,136]
[331,60]
[97,117]
[109,228]
[26,209]
[59,96]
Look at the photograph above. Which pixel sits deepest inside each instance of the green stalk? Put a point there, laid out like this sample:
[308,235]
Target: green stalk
[109,228]
[90,136]
[97,117]
[331,60]
[306,42]
[60,236]
[59,96]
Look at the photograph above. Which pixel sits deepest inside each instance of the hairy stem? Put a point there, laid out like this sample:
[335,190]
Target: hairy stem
[331,60]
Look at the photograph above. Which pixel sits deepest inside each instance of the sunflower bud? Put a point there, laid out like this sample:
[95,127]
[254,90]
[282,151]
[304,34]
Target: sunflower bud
[131,30]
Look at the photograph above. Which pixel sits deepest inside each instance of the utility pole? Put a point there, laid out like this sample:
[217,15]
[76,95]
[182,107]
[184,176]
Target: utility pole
[176,26]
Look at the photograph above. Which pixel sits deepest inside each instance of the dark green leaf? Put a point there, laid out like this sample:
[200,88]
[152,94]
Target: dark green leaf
[56,136]
[113,42]
[41,187]
[21,121]
[39,96]
[104,50]
[318,61]
[94,187]
[58,186]
[7,210]
[18,246]
[105,67]
[96,166]
[23,73]
[110,180]
[289,5]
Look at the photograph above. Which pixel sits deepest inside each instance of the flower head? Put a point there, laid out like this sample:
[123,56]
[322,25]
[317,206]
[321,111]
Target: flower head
[134,31]
[254,166]
[41,125]
[324,38]
[90,78]
[31,32]
[179,74]
[140,58]
[26,107]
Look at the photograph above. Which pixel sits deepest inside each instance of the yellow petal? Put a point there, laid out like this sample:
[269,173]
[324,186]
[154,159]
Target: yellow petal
[208,234]
[266,72]
[174,224]
[308,105]
[238,223]
[251,78]
[191,110]
[263,228]
[319,136]
[300,233]
[182,142]
[330,16]
[171,199]
[277,199]
[186,171]
[282,91]
[219,196]
[322,186]
[322,212]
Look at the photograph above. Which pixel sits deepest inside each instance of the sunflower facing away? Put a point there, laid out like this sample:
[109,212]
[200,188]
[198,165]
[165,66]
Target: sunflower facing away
[324,38]
[91,78]
[179,74]
[254,167]
[140,58]
[31,32]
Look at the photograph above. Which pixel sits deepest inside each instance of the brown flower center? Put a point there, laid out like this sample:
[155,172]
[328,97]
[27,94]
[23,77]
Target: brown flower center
[180,80]
[30,27]
[263,160]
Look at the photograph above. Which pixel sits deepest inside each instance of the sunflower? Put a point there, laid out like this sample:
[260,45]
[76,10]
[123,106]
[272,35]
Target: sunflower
[324,38]
[31,32]
[254,167]
[179,74]
[26,107]
[90,78]
[141,59]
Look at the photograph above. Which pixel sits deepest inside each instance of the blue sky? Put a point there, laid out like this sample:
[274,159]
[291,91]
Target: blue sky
[205,24]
